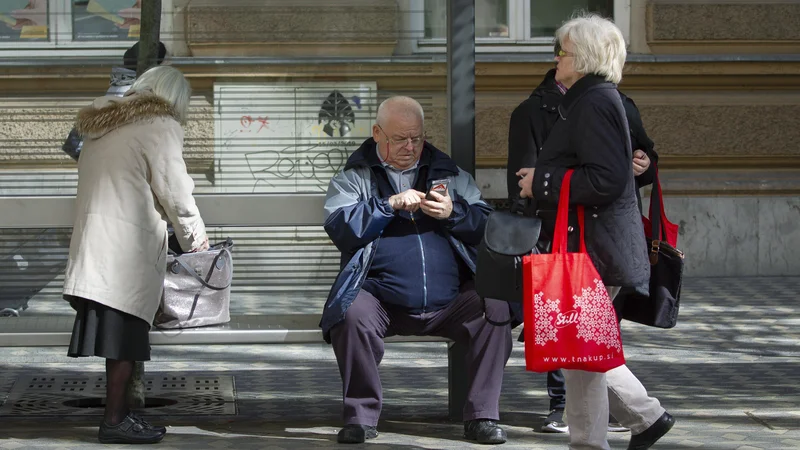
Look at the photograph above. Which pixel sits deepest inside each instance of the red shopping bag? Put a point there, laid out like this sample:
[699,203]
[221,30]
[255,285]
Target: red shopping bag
[569,319]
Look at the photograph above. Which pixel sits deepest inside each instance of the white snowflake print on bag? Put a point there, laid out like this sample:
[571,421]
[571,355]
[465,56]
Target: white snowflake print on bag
[543,321]
[594,322]
[597,323]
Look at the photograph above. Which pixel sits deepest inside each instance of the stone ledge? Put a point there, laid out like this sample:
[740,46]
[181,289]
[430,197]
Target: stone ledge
[730,182]
[689,182]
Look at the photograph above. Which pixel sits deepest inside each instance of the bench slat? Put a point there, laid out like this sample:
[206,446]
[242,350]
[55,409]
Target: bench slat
[55,331]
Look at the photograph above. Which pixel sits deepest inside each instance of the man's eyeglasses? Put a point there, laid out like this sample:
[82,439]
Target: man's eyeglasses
[415,141]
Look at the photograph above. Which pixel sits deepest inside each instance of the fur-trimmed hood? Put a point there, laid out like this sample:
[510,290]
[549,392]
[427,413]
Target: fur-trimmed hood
[108,113]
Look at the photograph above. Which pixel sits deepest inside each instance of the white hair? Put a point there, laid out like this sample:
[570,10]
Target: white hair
[168,83]
[398,104]
[599,46]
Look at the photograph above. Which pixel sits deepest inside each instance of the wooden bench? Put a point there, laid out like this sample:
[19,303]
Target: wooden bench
[55,331]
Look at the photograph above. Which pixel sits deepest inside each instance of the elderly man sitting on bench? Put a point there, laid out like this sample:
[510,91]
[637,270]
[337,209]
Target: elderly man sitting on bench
[407,221]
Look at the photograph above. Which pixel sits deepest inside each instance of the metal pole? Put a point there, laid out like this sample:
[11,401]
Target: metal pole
[149,35]
[461,82]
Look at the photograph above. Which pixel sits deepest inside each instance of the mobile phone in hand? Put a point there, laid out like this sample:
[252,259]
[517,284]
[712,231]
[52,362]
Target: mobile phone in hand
[438,186]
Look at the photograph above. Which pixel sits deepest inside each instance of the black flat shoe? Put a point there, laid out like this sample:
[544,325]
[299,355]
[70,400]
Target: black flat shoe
[648,437]
[129,431]
[147,424]
[484,431]
[356,434]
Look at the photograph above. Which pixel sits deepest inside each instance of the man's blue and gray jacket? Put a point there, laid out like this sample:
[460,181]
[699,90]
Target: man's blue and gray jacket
[356,216]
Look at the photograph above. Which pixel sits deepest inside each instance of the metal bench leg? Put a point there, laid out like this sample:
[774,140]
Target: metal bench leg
[458,382]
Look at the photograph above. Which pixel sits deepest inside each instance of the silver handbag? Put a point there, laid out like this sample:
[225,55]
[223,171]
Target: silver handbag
[197,288]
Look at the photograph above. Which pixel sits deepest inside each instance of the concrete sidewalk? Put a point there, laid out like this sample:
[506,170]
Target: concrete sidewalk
[729,372]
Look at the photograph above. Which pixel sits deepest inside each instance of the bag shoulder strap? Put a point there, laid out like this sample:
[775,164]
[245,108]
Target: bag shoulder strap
[562,218]
[213,266]
[658,215]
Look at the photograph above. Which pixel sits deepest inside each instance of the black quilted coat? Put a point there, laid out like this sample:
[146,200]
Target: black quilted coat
[592,137]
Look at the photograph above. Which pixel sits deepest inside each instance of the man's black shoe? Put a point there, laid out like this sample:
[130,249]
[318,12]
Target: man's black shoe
[484,431]
[129,431]
[356,434]
[648,437]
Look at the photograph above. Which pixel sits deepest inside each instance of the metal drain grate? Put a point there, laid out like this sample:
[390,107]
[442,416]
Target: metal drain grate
[194,395]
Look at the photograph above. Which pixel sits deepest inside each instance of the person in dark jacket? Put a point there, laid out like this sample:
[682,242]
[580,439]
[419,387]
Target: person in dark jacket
[530,125]
[591,136]
[532,120]
[408,264]
[122,78]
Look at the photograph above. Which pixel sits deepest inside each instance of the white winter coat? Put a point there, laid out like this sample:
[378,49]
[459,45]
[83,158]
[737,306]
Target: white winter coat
[131,181]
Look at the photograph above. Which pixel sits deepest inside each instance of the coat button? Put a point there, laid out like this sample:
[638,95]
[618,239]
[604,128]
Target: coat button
[545,105]
[570,229]
[546,193]
[594,207]
[594,215]
[546,183]
[547,175]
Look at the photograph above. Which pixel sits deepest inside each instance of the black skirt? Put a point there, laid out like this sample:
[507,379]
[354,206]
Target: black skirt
[107,333]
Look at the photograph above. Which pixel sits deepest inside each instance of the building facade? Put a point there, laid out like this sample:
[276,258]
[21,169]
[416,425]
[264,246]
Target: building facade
[283,90]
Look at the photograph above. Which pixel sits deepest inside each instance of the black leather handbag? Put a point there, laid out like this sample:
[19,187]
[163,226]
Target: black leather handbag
[508,236]
[658,308]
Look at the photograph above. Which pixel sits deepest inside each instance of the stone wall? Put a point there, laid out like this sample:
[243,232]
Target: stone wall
[291,28]
[708,26]
[32,132]
[683,124]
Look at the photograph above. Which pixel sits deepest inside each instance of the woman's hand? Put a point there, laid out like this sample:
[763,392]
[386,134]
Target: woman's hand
[203,247]
[641,162]
[526,183]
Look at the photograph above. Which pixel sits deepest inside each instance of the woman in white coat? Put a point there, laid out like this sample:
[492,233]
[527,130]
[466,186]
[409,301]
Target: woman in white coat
[131,181]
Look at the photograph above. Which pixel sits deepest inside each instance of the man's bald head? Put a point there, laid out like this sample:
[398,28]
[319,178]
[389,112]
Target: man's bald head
[399,131]
[399,106]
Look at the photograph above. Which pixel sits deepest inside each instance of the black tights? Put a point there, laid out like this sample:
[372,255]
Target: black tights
[118,374]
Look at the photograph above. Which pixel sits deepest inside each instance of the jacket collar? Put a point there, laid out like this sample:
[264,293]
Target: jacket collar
[440,165]
[548,91]
[578,90]
[109,113]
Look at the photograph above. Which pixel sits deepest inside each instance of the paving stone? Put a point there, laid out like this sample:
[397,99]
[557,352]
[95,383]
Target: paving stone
[728,372]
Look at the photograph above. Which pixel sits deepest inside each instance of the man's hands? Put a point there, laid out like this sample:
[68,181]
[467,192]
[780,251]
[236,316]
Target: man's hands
[641,162]
[407,201]
[526,183]
[440,208]
[413,200]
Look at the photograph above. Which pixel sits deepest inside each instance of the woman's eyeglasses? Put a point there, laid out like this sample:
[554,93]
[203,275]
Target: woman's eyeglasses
[558,51]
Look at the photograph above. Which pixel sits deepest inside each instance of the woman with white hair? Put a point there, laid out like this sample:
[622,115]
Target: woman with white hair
[591,136]
[131,181]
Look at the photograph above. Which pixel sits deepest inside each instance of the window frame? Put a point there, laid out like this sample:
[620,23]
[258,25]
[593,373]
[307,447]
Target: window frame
[519,30]
[60,24]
